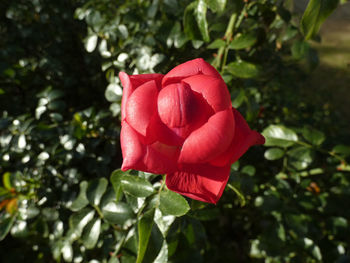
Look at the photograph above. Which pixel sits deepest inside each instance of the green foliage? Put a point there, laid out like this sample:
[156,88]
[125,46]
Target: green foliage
[63,197]
[315,14]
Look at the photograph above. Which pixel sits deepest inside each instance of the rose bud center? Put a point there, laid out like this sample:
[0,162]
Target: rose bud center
[177,105]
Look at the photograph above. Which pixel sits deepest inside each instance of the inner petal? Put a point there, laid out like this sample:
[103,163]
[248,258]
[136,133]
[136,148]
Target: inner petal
[213,90]
[176,105]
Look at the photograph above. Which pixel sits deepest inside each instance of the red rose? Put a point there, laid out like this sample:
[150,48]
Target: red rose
[183,124]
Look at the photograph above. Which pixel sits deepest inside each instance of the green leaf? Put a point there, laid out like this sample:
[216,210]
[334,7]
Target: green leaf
[116,183]
[243,41]
[300,49]
[176,36]
[242,69]
[117,213]
[342,149]
[300,157]
[81,201]
[163,253]
[190,24]
[136,186]
[163,222]
[79,220]
[5,226]
[154,246]
[239,99]
[278,135]
[238,193]
[172,203]
[313,136]
[207,214]
[109,196]
[113,92]
[273,154]
[145,225]
[67,252]
[201,17]
[315,14]
[217,43]
[95,190]
[91,233]
[248,169]
[91,43]
[216,5]
[6,180]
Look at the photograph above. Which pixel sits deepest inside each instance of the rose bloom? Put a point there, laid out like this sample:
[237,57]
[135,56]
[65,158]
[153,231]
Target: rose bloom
[183,124]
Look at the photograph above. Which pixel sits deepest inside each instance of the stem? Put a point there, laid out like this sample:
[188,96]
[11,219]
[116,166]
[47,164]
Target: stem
[341,159]
[238,193]
[228,35]
[98,210]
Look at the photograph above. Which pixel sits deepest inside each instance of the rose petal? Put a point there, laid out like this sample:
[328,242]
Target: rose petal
[243,138]
[176,105]
[131,83]
[157,161]
[141,106]
[132,149]
[213,90]
[210,140]
[182,110]
[190,68]
[158,131]
[156,158]
[201,182]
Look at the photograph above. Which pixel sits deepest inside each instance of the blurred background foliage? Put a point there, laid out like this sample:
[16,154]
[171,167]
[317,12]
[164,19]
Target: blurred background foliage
[62,197]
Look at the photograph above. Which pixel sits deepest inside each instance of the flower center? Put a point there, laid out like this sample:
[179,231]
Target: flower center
[176,105]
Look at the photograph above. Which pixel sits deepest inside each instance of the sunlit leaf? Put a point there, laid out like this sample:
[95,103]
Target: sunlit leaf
[315,14]
[172,203]
[136,186]
[117,213]
[91,233]
[278,135]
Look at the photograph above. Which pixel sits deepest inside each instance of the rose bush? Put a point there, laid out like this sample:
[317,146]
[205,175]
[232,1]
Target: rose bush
[183,124]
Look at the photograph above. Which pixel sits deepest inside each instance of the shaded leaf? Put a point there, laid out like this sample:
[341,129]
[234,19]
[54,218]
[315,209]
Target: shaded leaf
[273,154]
[217,43]
[81,201]
[144,227]
[5,226]
[243,41]
[314,136]
[116,182]
[190,24]
[300,157]
[242,69]
[95,190]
